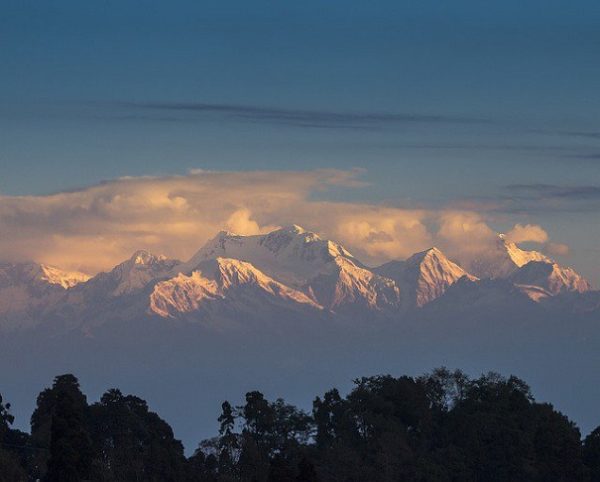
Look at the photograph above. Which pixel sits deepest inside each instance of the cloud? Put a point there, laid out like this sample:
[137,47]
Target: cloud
[557,249]
[240,222]
[553,198]
[594,156]
[535,198]
[95,228]
[527,233]
[465,232]
[585,134]
[287,116]
[375,233]
[555,192]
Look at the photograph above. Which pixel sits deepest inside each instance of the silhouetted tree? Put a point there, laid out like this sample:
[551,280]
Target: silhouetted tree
[203,468]
[306,471]
[253,465]
[70,447]
[329,414]
[11,461]
[440,427]
[228,440]
[280,469]
[259,418]
[291,426]
[591,454]
[67,387]
[132,443]
[557,444]
[492,428]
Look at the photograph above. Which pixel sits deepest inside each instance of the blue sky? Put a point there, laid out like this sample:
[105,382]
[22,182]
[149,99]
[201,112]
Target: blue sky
[441,103]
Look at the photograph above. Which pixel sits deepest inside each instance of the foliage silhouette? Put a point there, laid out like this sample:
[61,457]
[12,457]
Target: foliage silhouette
[442,426]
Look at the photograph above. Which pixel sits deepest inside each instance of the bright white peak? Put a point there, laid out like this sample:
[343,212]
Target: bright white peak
[502,259]
[291,254]
[322,269]
[144,257]
[138,271]
[521,257]
[424,276]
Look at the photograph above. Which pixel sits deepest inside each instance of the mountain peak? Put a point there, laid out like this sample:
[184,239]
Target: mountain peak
[137,271]
[304,261]
[224,233]
[287,269]
[424,276]
[238,284]
[430,253]
[143,257]
[66,279]
[501,259]
[291,254]
[45,274]
[293,229]
[521,257]
[288,234]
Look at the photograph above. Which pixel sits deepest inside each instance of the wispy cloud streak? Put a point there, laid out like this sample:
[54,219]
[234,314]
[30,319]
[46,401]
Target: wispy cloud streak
[551,191]
[586,134]
[298,117]
[536,198]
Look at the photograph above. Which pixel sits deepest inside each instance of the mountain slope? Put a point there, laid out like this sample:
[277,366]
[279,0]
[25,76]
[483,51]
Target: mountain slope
[26,288]
[551,277]
[57,276]
[322,269]
[224,286]
[39,274]
[121,293]
[346,287]
[133,274]
[288,274]
[423,277]
[290,254]
[502,259]
[480,297]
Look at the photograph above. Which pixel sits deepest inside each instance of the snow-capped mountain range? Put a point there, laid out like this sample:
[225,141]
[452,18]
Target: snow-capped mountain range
[288,272]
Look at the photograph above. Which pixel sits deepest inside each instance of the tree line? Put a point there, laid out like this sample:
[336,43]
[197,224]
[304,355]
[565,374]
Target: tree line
[442,426]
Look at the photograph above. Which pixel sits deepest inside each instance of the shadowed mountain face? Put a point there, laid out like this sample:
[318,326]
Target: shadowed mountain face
[289,270]
[551,277]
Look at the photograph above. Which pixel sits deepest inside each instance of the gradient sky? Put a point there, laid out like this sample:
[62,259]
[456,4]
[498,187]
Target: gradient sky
[490,105]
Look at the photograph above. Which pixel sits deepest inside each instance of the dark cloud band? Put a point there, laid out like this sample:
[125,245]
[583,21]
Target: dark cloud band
[299,117]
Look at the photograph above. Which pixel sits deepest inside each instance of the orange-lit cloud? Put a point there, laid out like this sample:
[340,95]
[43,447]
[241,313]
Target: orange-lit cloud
[527,233]
[94,228]
[241,222]
[464,230]
[557,249]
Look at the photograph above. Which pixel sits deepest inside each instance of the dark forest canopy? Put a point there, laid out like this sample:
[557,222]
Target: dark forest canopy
[442,426]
